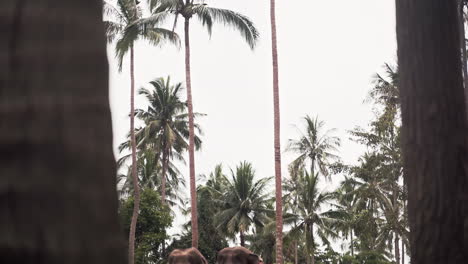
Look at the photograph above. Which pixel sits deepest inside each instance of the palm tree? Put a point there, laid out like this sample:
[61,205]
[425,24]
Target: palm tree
[244,202]
[346,203]
[58,197]
[308,219]
[119,27]
[149,171]
[207,15]
[277,143]
[166,124]
[315,148]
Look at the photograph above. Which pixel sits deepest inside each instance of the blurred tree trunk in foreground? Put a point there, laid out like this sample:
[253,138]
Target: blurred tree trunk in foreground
[434,129]
[58,201]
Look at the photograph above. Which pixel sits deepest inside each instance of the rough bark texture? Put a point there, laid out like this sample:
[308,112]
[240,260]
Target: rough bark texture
[193,191]
[136,187]
[277,144]
[434,129]
[58,201]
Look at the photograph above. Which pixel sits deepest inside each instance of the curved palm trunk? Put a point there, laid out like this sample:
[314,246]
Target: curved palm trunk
[193,191]
[434,129]
[277,144]
[58,202]
[136,188]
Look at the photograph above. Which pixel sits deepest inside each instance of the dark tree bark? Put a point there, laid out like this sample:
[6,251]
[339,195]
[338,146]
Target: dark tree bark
[193,191]
[58,201]
[434,129]
[277,143]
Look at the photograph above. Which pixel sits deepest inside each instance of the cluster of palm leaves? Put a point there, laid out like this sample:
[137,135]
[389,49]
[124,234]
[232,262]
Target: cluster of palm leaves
[161,142]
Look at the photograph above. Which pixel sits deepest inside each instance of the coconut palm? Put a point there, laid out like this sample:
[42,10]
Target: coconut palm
[207,15]
[149,172]
[119,29]
[277,143]
[315,148]
[308,219]
[166,126]
[244,203]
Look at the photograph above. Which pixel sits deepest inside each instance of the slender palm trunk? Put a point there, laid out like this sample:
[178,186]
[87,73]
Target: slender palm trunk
[136,187]
[58,201]
[277,144]
[242,238]
[434,129]
[312,255]
[165,164]
[295,253]
[352,244]
[397,249]
[402,252]
[396,214]
[193,191]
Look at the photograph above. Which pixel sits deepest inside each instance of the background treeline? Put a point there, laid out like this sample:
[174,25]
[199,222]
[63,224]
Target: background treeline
[333,212]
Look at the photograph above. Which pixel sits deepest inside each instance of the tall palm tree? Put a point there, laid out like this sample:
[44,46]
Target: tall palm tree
[277,137]
[207,15]
[119,26]
[244,202]
[315,148]
[166,124]
[58,197]
[308,219]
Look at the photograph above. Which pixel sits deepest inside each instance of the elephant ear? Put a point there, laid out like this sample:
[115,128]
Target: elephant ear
[253,259]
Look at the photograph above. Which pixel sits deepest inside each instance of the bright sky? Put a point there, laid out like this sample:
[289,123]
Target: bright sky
[328,53]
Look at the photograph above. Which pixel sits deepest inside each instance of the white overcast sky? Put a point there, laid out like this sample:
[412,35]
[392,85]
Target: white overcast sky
[328,53]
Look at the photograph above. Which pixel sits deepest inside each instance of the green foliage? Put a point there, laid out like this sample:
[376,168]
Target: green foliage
[316,148]
[244,202]
[206,15]
[120,28]
[210,240]
[153,220]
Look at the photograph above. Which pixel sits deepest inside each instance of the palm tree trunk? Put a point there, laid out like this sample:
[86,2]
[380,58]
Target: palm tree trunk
[402,252]
[242,238]
[463,47]
[193,191]
[136,188]
[434,129]
[165,164]
[313,244]
[397,250]
[57,186]
[295,252]
[277,144]
[352,244]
